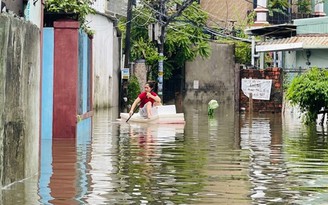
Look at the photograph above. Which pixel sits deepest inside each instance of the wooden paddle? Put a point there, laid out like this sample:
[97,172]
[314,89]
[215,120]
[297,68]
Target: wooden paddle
[133,112]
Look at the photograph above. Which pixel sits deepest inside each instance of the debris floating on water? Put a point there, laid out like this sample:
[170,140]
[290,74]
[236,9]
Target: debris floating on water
[212,105]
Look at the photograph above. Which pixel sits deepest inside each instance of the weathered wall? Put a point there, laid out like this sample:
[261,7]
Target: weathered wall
[106,62]
[117,45]
[66,60]
[15,6]
[216,76]
[223,12]
[19,99]
[275,103]
[33,13]
[140,71]
[117,7]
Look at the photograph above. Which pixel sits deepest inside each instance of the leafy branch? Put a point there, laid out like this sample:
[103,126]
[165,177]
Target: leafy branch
[80,7]
[310,92]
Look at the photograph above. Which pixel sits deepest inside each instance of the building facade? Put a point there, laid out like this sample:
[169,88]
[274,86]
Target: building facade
[226,14]
[106,52]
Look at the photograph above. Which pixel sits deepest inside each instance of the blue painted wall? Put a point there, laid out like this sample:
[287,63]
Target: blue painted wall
[84,74]
[84,127]
[84,131]
[46,115]
[84,81]
[47,83]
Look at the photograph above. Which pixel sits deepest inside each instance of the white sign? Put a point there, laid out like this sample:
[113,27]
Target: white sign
[196,84]
[125,73]
[260,89]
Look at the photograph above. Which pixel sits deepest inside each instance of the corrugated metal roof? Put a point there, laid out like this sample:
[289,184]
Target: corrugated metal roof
[310,41]
[280,31]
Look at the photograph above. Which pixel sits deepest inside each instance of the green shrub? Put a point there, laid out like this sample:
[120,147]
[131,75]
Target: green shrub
[133,89]
[80,7]
[310,91]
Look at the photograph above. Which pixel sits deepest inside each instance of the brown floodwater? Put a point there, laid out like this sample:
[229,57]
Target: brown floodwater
[230,158]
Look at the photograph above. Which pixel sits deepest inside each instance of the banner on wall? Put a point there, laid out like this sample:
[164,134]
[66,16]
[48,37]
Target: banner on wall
[125,73]
[260,88]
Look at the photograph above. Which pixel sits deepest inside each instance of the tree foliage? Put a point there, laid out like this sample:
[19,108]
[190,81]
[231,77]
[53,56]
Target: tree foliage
[184,37]
[80,7]
[310,91]
[279,6]
[243,49]
[304,6]
[133,89]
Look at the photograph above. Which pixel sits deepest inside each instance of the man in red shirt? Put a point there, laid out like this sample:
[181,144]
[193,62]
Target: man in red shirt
[147,100]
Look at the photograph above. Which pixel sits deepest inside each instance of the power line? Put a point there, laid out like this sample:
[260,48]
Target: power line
[190,22]
[174,27]
[149,17]
[227,36]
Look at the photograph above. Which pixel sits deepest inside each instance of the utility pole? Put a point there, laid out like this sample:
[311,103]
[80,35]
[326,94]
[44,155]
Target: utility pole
[161,49]
[128,34]
[164,21]
[124,82]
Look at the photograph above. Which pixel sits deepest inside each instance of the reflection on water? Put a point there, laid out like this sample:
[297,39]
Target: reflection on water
[227,159]
[262,135]
[62,181]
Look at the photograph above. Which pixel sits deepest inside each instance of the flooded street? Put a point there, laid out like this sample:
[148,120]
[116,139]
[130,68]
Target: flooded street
[228,159]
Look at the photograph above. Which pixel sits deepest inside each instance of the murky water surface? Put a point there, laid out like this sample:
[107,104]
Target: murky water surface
[227,159]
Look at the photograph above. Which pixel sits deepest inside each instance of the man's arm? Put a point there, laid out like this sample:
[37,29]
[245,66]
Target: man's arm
[136,101]
[156,98]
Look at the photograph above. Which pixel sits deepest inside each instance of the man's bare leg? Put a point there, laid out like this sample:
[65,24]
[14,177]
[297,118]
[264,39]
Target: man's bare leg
[149,114]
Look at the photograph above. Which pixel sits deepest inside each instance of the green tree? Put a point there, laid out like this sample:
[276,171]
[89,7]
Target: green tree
[310,91]
[278,6]
[133,89]
[304,6]
[184,38]
[80,7]
[243,50]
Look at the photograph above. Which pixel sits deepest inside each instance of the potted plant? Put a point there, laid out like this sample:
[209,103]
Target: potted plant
[69,9]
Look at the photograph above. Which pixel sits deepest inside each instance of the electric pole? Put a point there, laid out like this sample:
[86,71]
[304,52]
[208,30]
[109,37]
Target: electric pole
[161,49]
[128,34]
[124,81]
[164,21]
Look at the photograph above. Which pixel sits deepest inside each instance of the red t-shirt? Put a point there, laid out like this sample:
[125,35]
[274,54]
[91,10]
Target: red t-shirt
[144,99]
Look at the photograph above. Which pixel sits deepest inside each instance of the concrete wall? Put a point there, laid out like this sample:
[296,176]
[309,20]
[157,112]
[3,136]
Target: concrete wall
[100,5]
[216,77]
[106,62]
[297,60]
[140,71]
[19,99]
[223,12]
[15,6]
[32,12]
[117,7]
[317,58]
[65,78]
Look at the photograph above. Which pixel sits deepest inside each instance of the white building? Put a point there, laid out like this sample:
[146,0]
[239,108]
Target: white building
[106,52]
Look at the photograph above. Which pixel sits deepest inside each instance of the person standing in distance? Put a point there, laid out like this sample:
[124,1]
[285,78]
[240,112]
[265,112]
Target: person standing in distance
[147,99]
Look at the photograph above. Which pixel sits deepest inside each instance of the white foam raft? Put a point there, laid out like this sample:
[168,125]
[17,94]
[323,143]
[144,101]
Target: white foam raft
[165,114]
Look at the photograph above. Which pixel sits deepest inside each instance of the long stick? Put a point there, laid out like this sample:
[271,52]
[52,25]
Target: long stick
[133,113]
